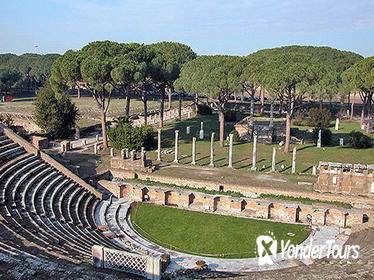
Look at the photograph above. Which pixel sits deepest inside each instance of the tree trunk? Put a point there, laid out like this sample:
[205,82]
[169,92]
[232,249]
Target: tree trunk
[362,115]
[369,115]
[128,99]
[196,100]
[352,108]
[288,132]
[221,127]
[235,96]
[162,108]
[179,106]
[169,97]
[144,99]
[262,101]
[103,129]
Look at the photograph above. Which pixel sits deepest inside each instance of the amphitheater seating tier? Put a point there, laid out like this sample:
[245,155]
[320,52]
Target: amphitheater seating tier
[42,206]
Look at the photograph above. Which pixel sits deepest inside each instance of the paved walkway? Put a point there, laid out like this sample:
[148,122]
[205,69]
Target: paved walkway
[116,216]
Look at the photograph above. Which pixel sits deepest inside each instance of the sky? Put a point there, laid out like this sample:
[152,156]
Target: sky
[234,27]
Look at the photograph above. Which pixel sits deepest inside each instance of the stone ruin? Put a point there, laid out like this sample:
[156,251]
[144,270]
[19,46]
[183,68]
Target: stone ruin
[128,160]
[356,179]
[266,133]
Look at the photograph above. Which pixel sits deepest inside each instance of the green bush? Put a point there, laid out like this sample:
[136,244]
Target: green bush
[203,109]
[125,136]
[236,137]
[320,118]
[358,140]
[299,119]
[325,136]
[54,113]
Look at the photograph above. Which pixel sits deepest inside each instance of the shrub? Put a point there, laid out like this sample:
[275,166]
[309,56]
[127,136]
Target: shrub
[299,119]
[358,140]
[236,136]
[203,109]
[325,136]
[320,118]
[125,136]
[54,113]
[230,116]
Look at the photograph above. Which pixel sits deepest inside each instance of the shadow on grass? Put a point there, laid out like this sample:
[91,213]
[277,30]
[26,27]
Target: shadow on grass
[285,169]
[307,169]
[306,147]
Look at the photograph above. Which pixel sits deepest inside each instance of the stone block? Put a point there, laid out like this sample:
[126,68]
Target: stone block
[40,142]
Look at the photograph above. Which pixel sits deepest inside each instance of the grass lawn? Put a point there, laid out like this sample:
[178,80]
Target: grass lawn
[307,154]
[208,234]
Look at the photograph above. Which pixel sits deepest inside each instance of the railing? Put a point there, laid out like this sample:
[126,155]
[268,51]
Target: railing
[146,266]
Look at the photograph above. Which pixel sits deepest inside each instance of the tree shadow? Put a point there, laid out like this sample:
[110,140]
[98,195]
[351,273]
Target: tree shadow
[307,169]
[304,148]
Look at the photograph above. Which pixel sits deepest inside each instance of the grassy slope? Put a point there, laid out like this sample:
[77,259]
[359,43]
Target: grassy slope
[203,233]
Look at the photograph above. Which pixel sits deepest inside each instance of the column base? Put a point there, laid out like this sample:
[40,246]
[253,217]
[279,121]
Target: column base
[193,163]
[254,168]
[211,165]
[176,161]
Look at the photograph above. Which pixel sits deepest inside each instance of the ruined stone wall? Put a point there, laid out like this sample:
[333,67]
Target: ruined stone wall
[247,190]
[336,180]
[253,208]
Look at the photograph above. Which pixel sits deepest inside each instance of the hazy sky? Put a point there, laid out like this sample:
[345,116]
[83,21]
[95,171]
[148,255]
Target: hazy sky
[236,27]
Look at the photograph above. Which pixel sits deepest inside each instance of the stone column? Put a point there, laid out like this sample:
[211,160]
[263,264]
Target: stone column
[77,135]
[319,141]
[230,150]
[254,152]
[95,149]
[133,155]
[201,131]
[273,159]
[123,154]
[159,144]
[111,152]
[97,138]
[337,124]
[188,130]
[193,151]
[314,171]
[271,121]
[212,150]
[294,160]
[126,153]
[176,147]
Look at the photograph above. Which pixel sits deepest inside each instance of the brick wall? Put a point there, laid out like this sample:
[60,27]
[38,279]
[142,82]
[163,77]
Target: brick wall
[249,191]
[336,180]
[254,208]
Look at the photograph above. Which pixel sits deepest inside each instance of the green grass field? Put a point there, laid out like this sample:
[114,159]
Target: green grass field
[208,234]
[307,154]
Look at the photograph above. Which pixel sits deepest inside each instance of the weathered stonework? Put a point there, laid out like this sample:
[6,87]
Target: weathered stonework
[337,178]
[40,142]
[282,211]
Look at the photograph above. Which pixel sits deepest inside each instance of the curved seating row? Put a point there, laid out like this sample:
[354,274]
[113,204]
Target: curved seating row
[44,207]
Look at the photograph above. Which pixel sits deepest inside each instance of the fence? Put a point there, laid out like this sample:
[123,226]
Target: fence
[146,266]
